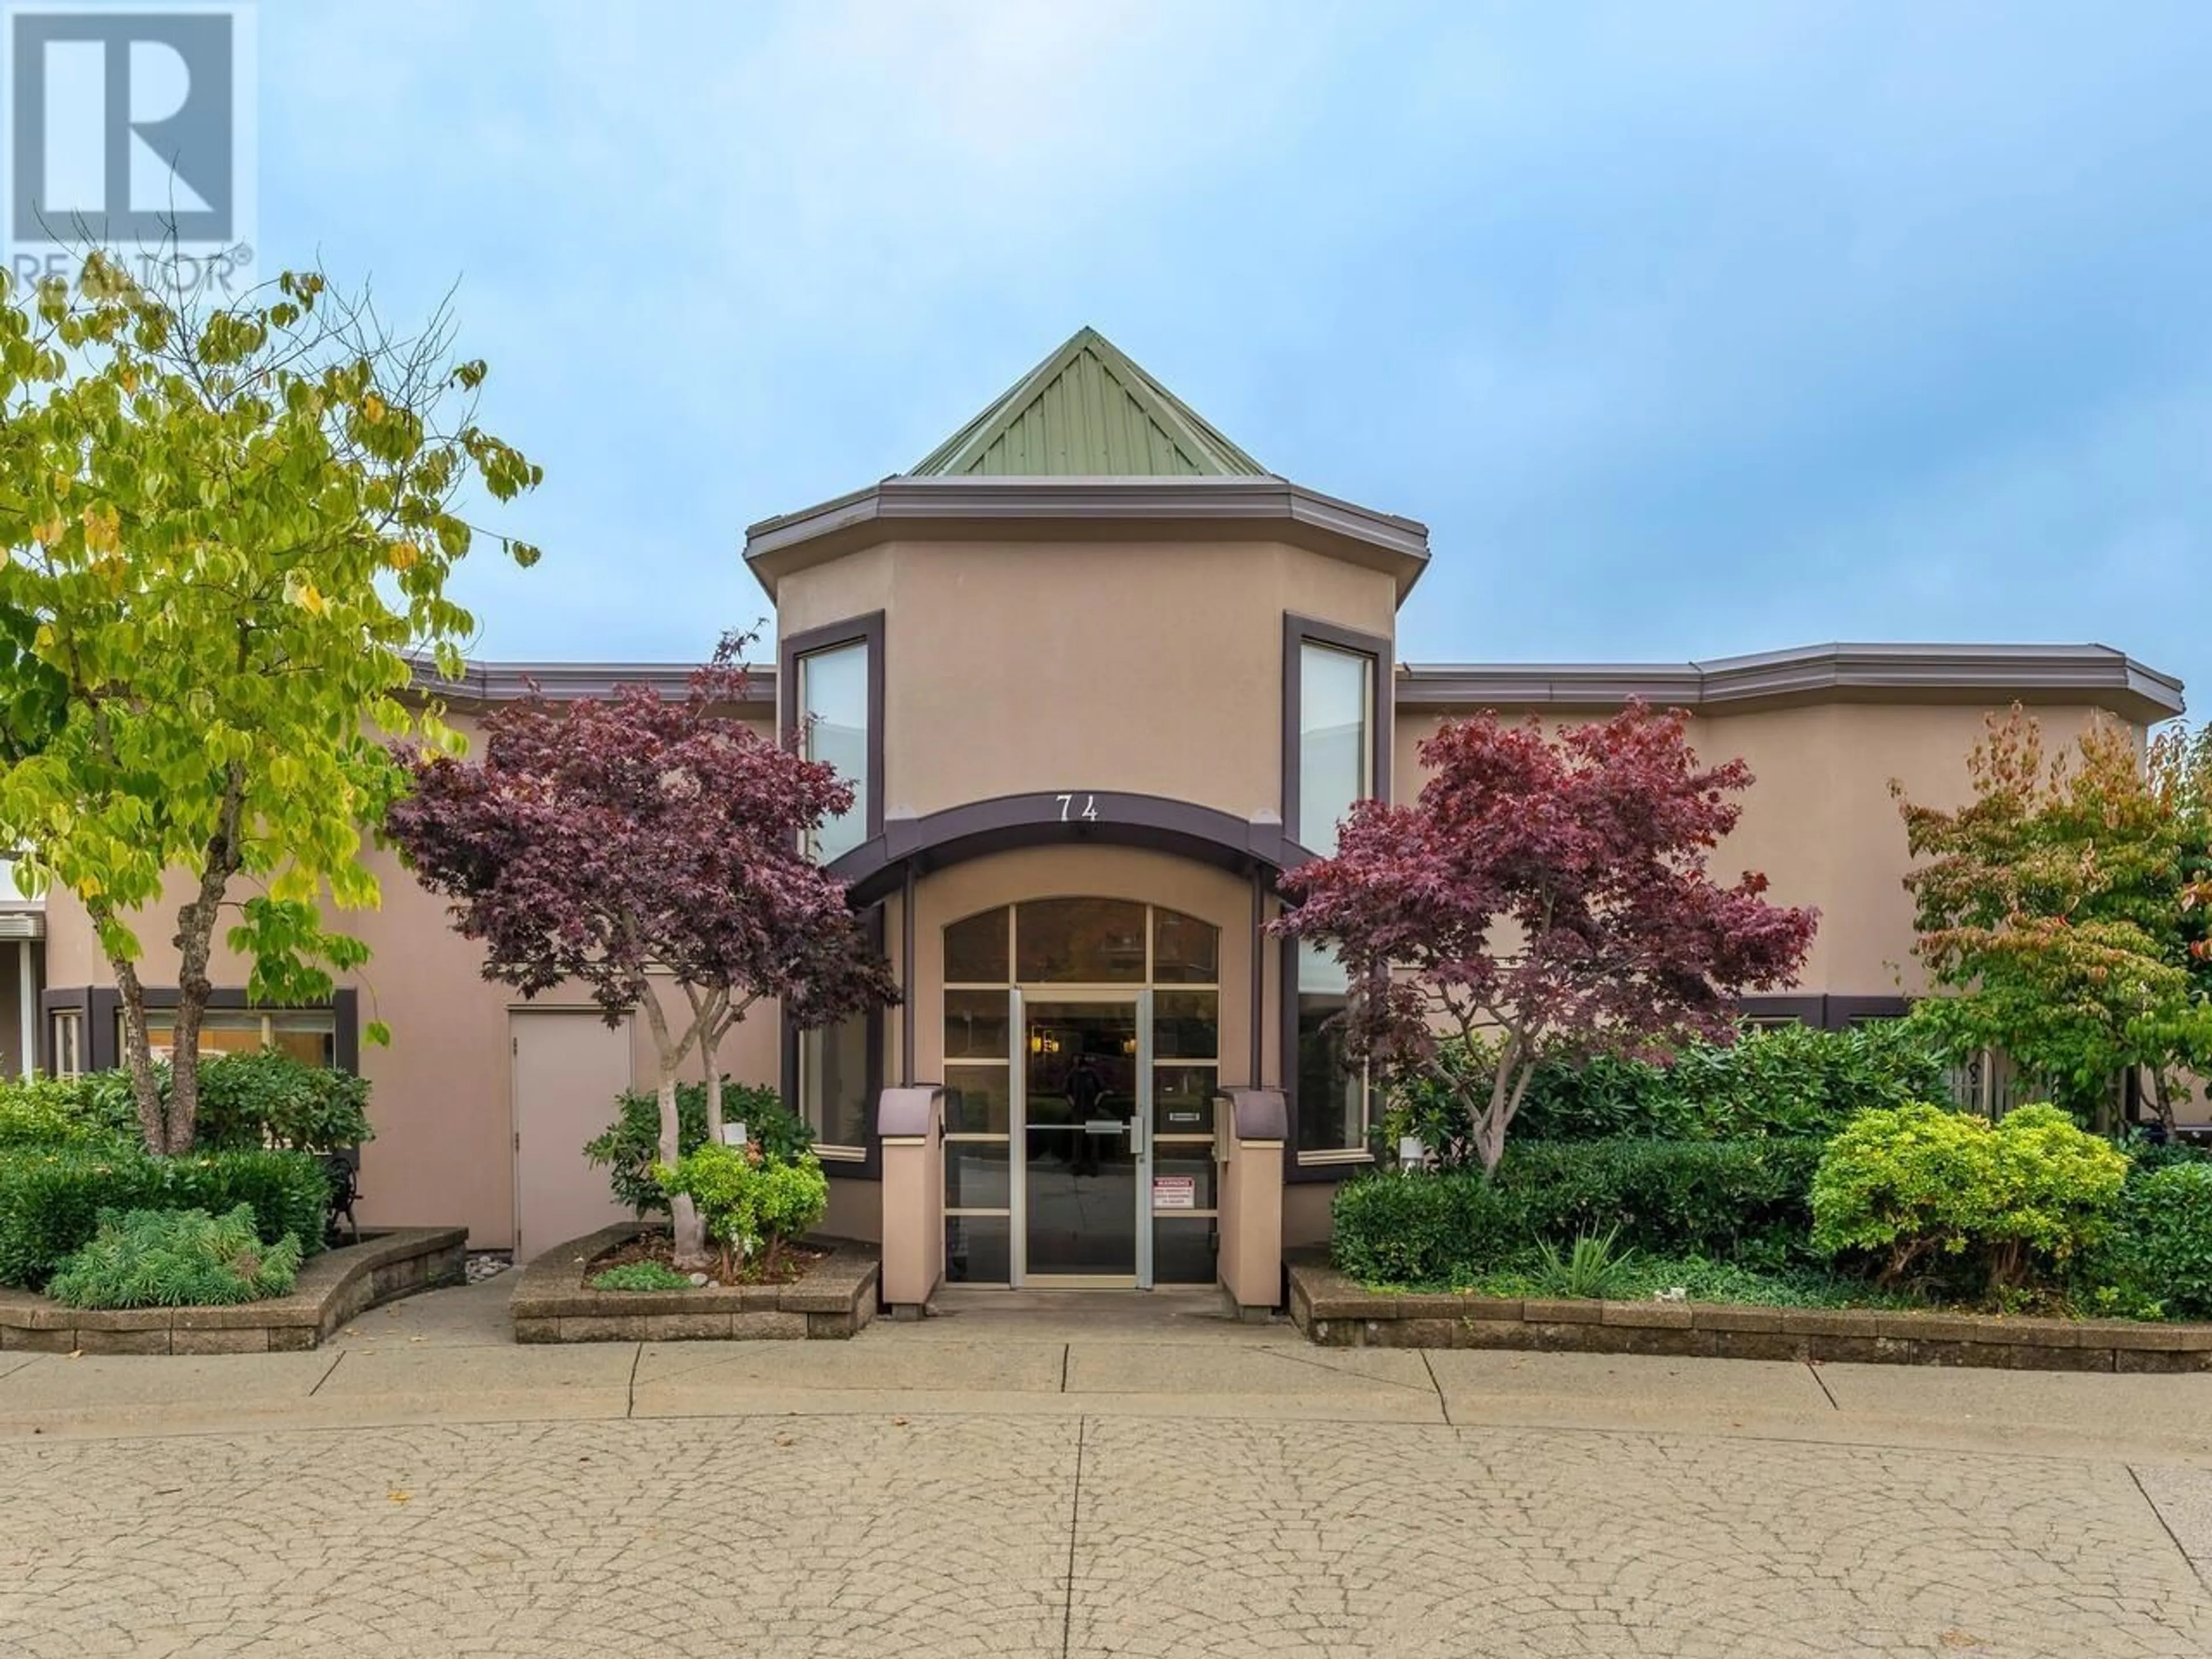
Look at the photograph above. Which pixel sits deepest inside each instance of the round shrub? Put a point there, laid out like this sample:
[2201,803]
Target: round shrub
[1918,1187]
[1421,1228]
[2161,1248]
[752,1202]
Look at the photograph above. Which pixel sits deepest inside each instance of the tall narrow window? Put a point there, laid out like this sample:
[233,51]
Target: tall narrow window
[832,705]
[1336,713]
[68,1035]
[833,1084]
[1331,1094]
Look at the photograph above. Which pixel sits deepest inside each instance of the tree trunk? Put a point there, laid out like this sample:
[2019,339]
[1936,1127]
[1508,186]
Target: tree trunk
[2162,1098]
[195,943]
[138,1056]
[687,1229]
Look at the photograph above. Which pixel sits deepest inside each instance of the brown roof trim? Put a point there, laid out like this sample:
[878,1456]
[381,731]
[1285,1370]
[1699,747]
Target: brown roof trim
[485,683]
[921,507]
[2095,674]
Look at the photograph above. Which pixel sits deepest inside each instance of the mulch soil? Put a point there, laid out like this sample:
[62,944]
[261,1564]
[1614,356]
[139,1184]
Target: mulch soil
[792,1261]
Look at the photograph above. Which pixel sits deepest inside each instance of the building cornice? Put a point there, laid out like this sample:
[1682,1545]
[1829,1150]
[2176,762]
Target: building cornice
[1995,674]
[921,507]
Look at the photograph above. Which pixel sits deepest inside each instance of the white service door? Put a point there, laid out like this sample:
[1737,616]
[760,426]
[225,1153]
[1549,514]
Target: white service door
[570,1065]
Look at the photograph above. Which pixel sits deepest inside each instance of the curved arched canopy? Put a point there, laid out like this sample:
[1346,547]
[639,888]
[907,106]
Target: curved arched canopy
[1077,818]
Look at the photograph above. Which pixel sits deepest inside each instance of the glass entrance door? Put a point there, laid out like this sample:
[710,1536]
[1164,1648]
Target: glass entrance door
[1085,1116]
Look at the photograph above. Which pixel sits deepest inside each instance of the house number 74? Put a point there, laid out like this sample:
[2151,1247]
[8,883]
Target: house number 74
[1069,811]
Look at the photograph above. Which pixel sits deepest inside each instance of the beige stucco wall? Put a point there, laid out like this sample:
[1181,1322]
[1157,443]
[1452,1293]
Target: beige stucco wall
[1819,820]
[441,1092]
[1149,666]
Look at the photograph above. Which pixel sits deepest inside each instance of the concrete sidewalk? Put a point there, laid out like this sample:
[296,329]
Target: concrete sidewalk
[448,1358]
[1083,1476]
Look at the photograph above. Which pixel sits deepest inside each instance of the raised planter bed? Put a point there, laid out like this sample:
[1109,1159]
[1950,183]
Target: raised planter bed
[552,1304]
[332,1288]
[1338,1312]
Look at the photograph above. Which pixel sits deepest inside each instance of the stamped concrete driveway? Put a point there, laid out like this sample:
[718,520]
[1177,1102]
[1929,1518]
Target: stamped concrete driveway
[1003,1488]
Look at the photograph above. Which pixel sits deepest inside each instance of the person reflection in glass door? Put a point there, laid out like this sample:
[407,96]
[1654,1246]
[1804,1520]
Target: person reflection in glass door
[1086,1090]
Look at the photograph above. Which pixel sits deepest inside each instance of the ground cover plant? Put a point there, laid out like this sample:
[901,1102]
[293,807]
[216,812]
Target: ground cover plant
[176,1259]
[640,1276]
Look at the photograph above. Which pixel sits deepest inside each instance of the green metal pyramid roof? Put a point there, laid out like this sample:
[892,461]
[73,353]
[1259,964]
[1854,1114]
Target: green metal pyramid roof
[1087,411]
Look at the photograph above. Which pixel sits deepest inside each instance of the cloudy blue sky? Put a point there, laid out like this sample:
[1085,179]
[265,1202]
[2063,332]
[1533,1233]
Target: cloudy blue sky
[1688,330]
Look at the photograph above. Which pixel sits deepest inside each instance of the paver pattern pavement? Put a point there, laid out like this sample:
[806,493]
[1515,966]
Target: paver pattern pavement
[958,1534]
[1087,1486]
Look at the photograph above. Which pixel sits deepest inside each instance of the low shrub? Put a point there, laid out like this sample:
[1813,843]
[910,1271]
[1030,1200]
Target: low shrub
[1721,1199]
[2145,1155]
[1727,1199]
[1789,1080]
[50,1112]
[1919,1189]
[750,1202]
[51,1200]
[640,1276]
[2158,1257]
[175,1259]
[1420,1229]
[1590,1269]
[629,1146]
[271,1099]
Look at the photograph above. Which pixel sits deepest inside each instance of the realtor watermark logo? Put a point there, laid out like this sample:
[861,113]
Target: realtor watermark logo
[130,127]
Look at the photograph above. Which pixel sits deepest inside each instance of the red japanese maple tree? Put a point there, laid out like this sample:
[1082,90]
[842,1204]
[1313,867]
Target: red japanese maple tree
[1545,899]
[612,843]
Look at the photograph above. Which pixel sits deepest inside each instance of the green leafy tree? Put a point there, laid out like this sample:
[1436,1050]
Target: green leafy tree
[229,532]
[2062,909]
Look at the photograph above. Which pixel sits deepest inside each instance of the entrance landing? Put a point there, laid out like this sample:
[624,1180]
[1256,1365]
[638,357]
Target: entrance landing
[1192,1313]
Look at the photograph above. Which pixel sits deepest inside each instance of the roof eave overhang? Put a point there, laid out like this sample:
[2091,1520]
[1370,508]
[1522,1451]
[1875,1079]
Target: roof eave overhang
[1988,674]
[981,508]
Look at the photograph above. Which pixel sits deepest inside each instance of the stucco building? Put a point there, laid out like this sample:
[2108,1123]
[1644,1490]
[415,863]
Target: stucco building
[1099,676]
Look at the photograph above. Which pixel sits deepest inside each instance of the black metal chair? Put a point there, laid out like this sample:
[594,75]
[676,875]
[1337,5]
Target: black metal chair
[344,1172]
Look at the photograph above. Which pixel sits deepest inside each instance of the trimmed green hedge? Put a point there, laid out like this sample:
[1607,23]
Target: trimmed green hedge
[2159,1252]
[1789,1081]
[51,1200]
[1724,1200]
[1721,1199]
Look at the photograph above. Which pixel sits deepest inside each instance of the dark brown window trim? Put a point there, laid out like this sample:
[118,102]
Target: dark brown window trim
[854,630]
[1327,1165]
[1296,631]
[870,1165]
[1822,1010]
[100,1005]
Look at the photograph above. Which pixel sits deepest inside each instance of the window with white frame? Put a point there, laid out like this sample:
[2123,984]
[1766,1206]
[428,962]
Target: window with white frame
[65,1033]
